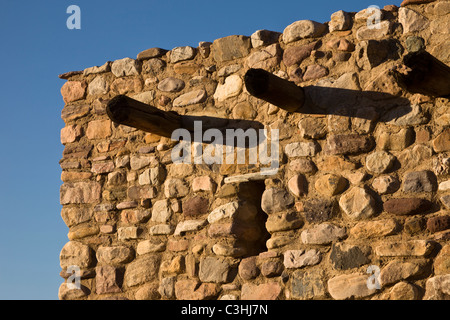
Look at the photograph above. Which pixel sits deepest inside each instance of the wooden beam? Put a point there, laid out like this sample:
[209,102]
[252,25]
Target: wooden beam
[277,91]
[127,111]
[426,75]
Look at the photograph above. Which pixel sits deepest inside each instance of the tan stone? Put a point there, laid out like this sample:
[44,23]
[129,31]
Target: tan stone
[76,253]
[348,286]
[330,185]
[442,141]
[371,229]
[99,129]
[70,134]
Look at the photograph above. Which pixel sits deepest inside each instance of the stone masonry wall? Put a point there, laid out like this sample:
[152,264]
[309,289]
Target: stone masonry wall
[359,208]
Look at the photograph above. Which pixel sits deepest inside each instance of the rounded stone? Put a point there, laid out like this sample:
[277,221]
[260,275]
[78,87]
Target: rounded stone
[357,203]
[379,162]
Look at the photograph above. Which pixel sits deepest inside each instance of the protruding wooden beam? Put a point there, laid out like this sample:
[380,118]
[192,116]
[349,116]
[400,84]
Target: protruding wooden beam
[426,75]
[127,111]
[277,91]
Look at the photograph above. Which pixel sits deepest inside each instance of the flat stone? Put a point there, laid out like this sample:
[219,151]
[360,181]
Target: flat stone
[106,67]
[73,91]
[226,250]
[298,185]
[139,193]
[374,229]
[406,206]
[348,144]
[411,20]
[69,293]
[76,253]
[171,85]
[182,53]
[148,246]
[439,223]
[192,97]
[283,222]
[230,48]
[276,200]
[264,38]
[194,290]
[73,112]
[412,2]
[375,31]
[437,288]
[324,233]
[301,149]
[125,67]
[319,210]
[300,258]
[213,269]
[80,192]
[151,53]
[138,162]
[308,285]
[349,286]
[442,141]
[189,226]
[114,255]
[444,186]
[142,270]
[302,165]
[265,291]
[397,270]
[160,229]
[417,248]
[406,115]
[223,212]
[312,128]
[386,184]
[330,184]
[345,256]
[419,181]
[418,155]
[295,55]
[314,72]
[303,29]
[230,88]
[357,203]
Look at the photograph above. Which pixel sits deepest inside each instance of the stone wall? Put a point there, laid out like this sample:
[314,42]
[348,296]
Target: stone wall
[359,208]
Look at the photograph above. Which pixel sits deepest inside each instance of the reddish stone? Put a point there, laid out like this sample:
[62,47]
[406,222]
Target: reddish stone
[348,144]
[265,291]
[73,90]
[295,55]
[73,112]
[406,206]
[248,268]
[178,245]
[195,206]
[436,224]
[108,279]
[191,290]
[315,71]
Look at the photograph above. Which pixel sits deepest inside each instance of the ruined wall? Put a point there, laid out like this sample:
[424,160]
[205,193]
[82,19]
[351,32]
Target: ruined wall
[362,191]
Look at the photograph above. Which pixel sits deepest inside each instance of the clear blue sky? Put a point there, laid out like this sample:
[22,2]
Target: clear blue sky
[36,47]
